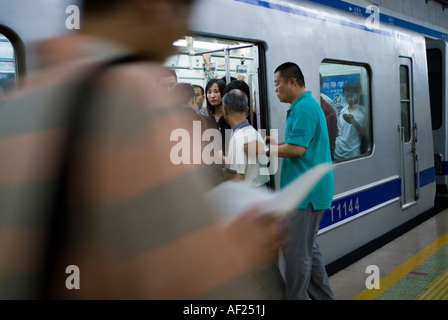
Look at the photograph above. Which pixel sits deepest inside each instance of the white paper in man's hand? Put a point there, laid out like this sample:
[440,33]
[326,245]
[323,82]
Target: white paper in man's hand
[233,197]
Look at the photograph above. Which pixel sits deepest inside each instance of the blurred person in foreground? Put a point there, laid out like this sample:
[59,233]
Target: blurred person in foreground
[87,183]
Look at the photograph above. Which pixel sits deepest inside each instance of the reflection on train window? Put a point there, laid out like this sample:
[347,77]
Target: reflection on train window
[405,102]
[200,59]
[8,81]
[346,88]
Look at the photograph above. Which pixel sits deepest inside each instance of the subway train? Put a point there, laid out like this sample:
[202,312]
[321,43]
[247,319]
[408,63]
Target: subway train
[401,72]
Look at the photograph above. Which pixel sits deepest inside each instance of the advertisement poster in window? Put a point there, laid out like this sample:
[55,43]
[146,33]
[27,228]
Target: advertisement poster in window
[332,87]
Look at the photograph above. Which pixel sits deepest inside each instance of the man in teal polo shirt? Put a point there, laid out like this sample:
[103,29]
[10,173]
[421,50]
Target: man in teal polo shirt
[306,145]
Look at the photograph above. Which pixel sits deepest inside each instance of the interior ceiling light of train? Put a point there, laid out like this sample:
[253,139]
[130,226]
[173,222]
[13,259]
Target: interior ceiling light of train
[227,57]
[195,45]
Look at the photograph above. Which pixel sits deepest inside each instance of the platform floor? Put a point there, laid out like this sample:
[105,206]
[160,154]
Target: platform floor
[411,267]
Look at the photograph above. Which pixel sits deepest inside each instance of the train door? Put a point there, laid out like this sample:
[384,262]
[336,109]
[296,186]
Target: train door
[407,132]
[436,51]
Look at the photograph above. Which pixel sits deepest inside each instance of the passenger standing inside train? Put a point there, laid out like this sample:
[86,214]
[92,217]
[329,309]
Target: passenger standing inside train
[306,145]
[187,98]
[225,126]
[92,205]
[243,86]
[167,79]
[185,94]
[214,91]
[234,83]
[352,122]
[331,119]
[250,168]
[199,97]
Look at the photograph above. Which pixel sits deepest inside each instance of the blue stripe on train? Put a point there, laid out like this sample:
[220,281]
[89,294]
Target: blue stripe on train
[443,169]
[357,203]
[360,202]
[427,176]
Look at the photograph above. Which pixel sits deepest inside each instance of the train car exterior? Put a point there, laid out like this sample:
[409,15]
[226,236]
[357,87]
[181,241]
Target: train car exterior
[392,179]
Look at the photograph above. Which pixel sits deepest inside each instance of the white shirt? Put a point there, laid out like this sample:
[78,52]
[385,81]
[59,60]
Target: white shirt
[348,142]
[237,161]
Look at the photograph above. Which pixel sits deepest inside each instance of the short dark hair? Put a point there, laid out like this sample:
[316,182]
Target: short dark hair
[235,101]
[290,70]
[239,84]
[167,72]
[184,91]
[351,86]
[224,78]
[95,7]
[200,87]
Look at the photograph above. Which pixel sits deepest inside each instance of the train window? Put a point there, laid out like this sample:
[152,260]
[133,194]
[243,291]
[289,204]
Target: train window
[346,88]
[199,59]
[435,77]
[8,78]
[405,102]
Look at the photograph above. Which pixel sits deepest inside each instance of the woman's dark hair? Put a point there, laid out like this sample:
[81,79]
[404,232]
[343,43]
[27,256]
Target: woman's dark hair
[221,85]
[239,84]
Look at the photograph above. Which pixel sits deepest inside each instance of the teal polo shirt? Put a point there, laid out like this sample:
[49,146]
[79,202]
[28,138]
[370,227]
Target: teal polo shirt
[306,126]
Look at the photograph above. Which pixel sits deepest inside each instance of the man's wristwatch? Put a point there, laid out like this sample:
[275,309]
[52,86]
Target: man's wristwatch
[267,150]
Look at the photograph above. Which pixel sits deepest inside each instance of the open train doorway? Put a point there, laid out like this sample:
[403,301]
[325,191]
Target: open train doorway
[201,58]
[436,54]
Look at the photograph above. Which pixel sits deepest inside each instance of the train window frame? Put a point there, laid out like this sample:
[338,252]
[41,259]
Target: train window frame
[19,55]
[405,102]
[367,141]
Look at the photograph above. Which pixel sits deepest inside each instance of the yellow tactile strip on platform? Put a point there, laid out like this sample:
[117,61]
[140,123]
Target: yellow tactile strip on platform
[437,290]
[399,272]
